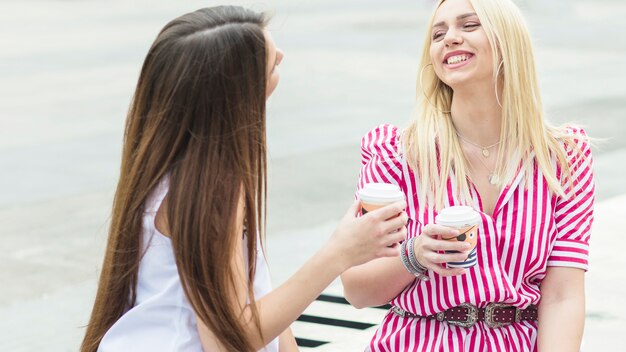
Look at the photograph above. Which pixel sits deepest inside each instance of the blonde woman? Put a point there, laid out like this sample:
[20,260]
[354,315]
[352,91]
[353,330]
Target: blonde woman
[480,139]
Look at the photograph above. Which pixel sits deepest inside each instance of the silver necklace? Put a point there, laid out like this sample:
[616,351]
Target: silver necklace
[484,149]
[493,178]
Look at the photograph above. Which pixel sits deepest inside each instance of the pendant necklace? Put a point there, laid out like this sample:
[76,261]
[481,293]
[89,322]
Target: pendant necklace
[493,178]
[484,149]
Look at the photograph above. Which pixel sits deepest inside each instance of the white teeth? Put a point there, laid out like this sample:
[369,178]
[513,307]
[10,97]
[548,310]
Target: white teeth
[456,59]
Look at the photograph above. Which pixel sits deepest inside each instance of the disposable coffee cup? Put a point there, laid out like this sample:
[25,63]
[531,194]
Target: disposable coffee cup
[376,195]
[466,220]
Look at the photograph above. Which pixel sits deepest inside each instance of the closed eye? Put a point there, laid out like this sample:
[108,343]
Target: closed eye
[471,25]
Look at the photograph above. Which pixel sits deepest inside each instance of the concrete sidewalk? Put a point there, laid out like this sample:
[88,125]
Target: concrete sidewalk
[605,287]
[606,278]
[54,322]
[69,69]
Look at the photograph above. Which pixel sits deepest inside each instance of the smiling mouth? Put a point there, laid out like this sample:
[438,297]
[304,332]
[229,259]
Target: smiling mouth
[457,59]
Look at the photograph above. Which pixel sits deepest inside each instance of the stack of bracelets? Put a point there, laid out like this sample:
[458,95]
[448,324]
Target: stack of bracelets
[407,253]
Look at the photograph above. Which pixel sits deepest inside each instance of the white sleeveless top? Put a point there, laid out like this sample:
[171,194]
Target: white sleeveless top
[162,318]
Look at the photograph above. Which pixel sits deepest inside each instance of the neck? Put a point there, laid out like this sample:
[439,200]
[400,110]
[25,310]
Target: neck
[476,114]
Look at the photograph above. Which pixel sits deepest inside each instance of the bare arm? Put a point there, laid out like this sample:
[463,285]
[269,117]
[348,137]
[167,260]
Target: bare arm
[381,280]
[561,310]
[375,283]
[287,343]
[355,241]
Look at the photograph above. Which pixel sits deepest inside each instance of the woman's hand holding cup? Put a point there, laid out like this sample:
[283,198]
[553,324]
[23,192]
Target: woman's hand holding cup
[430,249]
[452,240]
[358,240]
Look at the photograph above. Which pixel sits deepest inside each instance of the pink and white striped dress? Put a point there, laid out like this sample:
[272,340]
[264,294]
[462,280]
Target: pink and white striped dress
[531,229]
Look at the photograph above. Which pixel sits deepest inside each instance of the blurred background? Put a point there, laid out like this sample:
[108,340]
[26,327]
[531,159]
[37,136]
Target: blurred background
[68,70]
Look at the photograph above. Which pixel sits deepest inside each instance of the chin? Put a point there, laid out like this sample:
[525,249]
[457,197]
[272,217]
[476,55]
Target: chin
[457,82]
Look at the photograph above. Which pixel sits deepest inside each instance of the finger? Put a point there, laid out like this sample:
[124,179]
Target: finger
[394,244]
[443,245]
[397,222]
[354,209]
[433,257]
[447,271]
[454,257]
[389,211]
[440,258]
[426,242]
[395,237]
[391,251]
[434,230]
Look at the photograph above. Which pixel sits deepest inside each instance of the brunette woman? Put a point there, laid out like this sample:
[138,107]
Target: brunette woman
[184,268]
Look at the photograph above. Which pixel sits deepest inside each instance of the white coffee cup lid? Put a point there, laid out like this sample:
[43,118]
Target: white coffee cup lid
[457,216]
[380,193]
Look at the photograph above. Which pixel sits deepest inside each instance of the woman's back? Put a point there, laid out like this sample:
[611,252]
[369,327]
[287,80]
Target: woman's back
[162,318]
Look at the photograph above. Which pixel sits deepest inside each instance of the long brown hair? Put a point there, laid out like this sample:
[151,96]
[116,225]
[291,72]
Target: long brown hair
[197,115]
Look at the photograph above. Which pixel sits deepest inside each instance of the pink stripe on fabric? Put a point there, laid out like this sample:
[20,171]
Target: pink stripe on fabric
[577,211]
[499,339]
[398,345]
[382,333]
[490,289]
[571,249]
[567,259]
[436,328]
[521,255]
[514,250]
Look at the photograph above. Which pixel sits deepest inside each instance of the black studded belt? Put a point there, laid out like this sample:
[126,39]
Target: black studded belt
[495,315]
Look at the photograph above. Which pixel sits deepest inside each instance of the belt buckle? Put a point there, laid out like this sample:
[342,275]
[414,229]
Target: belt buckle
[470,319]
[490,310]
[398,311]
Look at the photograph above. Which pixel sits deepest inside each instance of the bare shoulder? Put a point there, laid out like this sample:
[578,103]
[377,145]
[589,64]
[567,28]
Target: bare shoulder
[160,220]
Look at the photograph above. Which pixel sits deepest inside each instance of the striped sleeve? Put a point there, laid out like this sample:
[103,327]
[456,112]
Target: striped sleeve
[574,214]
[380,158]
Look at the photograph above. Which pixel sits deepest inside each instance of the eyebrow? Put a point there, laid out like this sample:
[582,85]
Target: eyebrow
[459,17]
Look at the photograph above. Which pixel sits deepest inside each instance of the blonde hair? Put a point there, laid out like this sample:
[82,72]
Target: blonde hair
[524,131]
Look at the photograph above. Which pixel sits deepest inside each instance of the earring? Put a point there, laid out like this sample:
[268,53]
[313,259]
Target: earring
[424,93]
[497,74]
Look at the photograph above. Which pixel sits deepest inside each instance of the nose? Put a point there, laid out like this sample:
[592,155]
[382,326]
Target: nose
[452,38]
[279,56]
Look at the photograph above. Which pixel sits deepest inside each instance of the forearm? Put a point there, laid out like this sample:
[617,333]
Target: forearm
[561,325]
[375,283]
[355,241]
[278,309]
[561,311]
[287,343]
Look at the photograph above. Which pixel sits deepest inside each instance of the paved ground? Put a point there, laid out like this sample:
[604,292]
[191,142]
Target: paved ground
[68,69]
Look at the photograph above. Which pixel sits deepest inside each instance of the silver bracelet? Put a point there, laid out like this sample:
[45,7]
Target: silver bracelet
[421,270]
[417,272]
[405,259]
[413,259]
